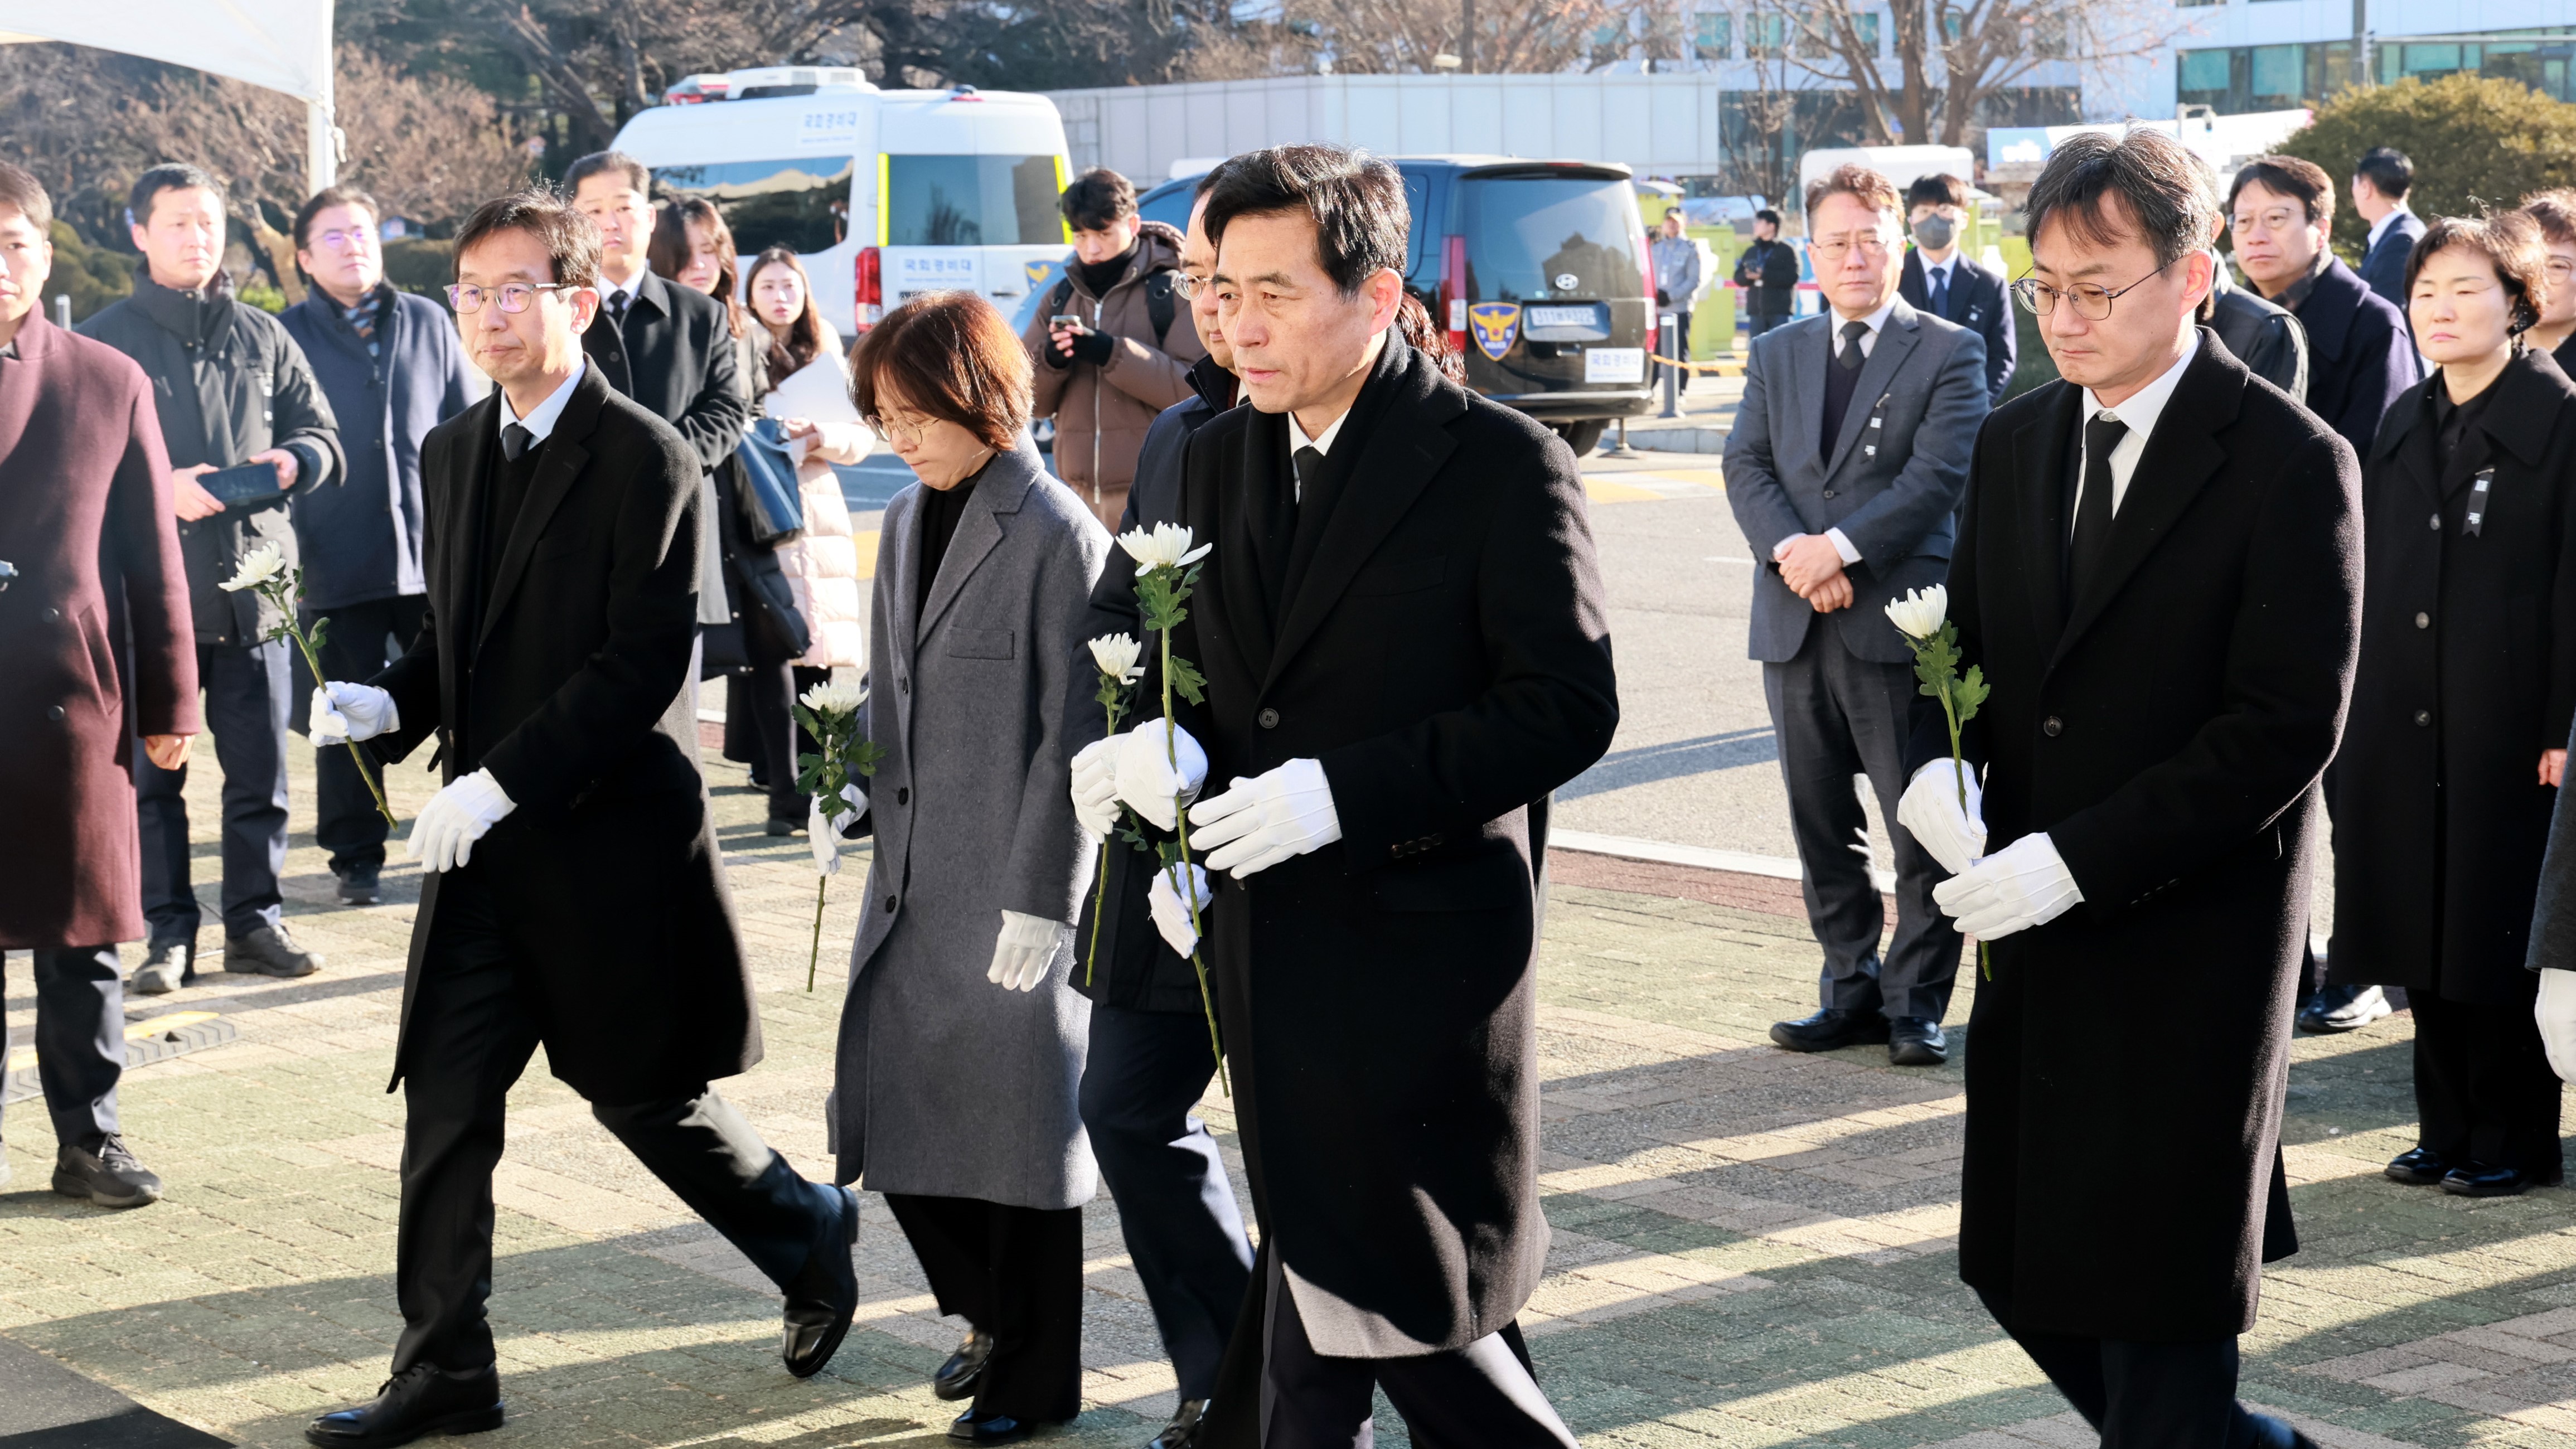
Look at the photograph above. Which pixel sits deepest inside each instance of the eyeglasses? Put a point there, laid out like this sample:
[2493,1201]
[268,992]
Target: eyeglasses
[2092,303]
[908,430]
[2560,268]
[467,299]
[1834,249]
[2279,218]
[1187,287]
[346,239]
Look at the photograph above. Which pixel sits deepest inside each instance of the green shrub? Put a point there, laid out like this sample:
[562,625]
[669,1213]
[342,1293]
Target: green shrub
[417,264]
[91,276]
[2476,143]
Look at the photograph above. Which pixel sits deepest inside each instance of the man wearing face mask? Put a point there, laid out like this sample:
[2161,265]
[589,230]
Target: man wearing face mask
[1942,279]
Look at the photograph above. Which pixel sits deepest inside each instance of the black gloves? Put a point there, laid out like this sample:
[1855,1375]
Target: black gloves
[1093,347]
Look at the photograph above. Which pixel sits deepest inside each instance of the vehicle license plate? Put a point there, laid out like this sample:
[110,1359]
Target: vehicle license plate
[1561,316]
[1615,364]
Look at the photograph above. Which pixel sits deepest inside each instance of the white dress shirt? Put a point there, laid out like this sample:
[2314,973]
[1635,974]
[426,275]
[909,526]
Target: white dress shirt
[2140,413]
[1877,323]
[1321,443]
[1944,273]
[541,419]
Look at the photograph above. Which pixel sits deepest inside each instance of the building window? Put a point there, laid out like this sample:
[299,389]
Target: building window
[1866,23]
[1766,36]
[1714,34]
[2199,2]
[2203,78]
[2279,73]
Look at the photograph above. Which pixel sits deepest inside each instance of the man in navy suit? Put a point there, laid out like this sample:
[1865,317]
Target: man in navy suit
[2379,187]
[1844,469]
[2360,355]
[1940,277]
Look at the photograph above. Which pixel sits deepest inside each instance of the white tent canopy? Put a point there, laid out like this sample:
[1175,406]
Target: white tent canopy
[280,45]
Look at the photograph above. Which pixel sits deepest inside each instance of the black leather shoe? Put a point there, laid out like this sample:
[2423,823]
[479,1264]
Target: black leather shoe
[362,888]
[958,1378]
[2417,1167]
[423,1400]
[1183,1431]
[973,1428]
[825,1296]
[1914,1041]
[1831,1029]
[2476,1179]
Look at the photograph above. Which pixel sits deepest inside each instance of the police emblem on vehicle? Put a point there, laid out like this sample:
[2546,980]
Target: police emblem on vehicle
[1567,281]
[1497,325]
[1036,272]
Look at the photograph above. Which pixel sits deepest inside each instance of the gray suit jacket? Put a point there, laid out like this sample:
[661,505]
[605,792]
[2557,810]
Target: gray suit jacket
[1893,486]
[973,813]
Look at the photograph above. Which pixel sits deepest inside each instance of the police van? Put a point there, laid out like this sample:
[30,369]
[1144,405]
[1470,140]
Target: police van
[884,193]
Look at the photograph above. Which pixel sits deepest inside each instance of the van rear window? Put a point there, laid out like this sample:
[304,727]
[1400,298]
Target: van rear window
[1537,239]
[803,203]
[971,201]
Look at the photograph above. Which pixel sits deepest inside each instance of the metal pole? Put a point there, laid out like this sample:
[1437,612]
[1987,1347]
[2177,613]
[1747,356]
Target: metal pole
[1467,36]
[1670,332]
[63,310]
[2361,42]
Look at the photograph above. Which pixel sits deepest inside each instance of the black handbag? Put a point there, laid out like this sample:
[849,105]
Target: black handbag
[773,510]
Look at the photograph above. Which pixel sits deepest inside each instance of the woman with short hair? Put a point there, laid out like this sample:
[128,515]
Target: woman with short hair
[2456,742]
[955,1099]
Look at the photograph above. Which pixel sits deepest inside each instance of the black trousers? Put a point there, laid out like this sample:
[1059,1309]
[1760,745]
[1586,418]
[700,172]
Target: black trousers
[1144,1072]
[1015,1273]
[472,1030]
[757,702]
[1483,1396]
[246,692]
[362,640]
[80,1038]
[2148,1395]
[1836,716]
[1760,321]
[2483,1088]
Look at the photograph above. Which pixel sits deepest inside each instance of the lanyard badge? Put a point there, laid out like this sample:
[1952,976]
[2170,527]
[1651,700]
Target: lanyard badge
[2478,500]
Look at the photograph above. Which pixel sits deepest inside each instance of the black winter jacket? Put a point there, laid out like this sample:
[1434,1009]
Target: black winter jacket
[227,382]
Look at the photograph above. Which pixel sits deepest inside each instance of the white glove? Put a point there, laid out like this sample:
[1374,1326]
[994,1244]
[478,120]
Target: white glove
[1148,779]
[1095,788]
[1929,809]
[2556,1013]
[823,828]
[1171,913]
[1024,951]
[1259,823]
[443,836]
[346,712]
[2025,884]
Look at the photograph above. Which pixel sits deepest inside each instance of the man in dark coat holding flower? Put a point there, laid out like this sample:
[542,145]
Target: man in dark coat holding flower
[2159,572]
[93,624]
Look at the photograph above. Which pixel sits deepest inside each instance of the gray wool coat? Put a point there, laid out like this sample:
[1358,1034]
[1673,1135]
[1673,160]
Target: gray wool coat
[946,1084]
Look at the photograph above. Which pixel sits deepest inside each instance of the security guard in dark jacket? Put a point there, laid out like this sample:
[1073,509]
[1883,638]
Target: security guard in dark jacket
[231,388]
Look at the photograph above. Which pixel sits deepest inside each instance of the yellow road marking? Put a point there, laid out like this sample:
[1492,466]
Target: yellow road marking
[24,1059]
[1609,490]
[866,542]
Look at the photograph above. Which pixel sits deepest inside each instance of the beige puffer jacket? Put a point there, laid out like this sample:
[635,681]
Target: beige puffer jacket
[822,563]
[1101,412]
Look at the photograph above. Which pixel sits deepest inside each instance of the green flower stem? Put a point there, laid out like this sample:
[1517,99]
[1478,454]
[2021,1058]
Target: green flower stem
[815,956]
[1181,828]
[278,595]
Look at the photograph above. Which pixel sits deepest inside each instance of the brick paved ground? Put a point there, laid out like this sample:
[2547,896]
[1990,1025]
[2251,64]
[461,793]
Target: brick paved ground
[1751,1248]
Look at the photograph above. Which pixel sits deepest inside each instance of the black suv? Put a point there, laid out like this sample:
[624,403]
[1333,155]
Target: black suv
[1541,272]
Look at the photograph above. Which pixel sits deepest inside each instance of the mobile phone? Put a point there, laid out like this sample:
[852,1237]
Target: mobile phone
[242,486]
[1067,320]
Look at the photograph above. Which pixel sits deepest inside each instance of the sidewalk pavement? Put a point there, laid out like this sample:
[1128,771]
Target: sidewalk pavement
[1751,1248]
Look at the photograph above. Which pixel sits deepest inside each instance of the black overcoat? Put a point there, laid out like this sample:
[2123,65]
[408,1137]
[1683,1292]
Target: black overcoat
[1444,652]
[2166,728]
[571,686]
[2468,672]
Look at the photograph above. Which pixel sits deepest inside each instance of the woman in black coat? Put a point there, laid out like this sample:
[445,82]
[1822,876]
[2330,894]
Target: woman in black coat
[2453,754]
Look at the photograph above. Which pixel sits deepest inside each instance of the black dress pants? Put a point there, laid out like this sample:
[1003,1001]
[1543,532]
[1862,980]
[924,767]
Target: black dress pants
[80,1038]
[2148,1395]
[758,699]
[362,640]
[472,1030]
[246,689]
[1143,1074]
[1483,1396]
[1014,1273]
[2483,1087]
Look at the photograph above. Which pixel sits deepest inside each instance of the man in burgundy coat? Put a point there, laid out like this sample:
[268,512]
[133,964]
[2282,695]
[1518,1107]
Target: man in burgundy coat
[91,588]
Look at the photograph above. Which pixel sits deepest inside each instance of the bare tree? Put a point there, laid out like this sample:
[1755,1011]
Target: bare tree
[429,148]
[1757,136]
[1941,61]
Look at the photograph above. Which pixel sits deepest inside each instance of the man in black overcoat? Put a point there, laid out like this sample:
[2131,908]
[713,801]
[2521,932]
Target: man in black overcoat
[2170,646]
[1404,639]
[575,895]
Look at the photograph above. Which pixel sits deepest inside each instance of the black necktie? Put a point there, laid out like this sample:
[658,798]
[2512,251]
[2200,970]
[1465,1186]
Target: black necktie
[516,440]
[1851,357]
[1941,293]
[1840,380]
[2093,505]
[617,307]
[1310,468]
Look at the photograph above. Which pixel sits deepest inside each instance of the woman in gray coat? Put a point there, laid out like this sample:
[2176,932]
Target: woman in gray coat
[961,1047]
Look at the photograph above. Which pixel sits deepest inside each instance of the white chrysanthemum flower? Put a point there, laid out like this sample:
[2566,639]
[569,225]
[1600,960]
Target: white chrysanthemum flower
[257,567]
[1166,547]
[1116,655]
[1922,612]
[829,698]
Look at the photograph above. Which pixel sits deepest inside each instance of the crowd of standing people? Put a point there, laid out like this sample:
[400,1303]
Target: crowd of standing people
[2247,573]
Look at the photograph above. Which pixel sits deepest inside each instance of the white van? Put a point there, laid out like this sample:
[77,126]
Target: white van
[883,193]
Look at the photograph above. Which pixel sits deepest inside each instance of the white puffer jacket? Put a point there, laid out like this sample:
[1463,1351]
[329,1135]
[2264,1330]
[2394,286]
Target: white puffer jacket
[822,564]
